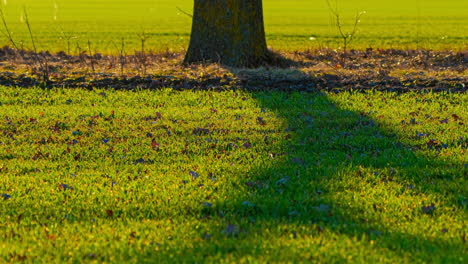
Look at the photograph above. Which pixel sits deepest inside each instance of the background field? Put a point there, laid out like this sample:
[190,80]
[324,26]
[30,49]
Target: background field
[402,24]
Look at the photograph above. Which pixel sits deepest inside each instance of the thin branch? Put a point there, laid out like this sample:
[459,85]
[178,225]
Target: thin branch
[356,23]
[7,32]
[40,60]
[183,12]
[26,20]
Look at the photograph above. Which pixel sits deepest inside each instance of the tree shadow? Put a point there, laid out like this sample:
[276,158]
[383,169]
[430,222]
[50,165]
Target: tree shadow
[336,172]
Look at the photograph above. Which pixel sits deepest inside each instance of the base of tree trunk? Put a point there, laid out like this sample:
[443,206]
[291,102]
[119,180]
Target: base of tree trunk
[270,59]
[234,61]
[228,32]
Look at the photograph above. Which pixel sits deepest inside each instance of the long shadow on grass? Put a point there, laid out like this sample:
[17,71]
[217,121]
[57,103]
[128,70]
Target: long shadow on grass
[331,166]
[336,174]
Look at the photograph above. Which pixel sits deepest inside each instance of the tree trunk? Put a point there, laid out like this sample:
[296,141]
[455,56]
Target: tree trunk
[229,32]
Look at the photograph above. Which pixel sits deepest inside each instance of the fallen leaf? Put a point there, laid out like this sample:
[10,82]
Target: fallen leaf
[456,117]
[154,145]
[158,115]
[211,176]
[261,121]
[232,230]
[194,174]
[140,160]
[66,187]
[282,181]
[200,131]
[206,236]
[294,234]
[207,205]
[432,143]
[428,209]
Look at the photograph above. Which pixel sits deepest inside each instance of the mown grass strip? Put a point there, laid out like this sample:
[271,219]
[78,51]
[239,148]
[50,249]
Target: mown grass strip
[60,25]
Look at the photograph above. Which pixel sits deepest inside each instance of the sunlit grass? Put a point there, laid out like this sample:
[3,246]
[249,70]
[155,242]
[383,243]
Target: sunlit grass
[289,24]
[159,176]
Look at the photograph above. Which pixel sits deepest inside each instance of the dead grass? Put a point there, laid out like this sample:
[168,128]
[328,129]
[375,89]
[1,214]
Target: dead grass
[393,70]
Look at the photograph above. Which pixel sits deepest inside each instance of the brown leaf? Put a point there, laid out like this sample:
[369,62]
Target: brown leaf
[433,143]
[158,115]
[456,117]
[154,144]
[261,121]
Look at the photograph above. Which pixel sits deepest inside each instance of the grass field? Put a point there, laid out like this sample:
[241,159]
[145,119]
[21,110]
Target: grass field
[206,164]
[399,24]
[111,176]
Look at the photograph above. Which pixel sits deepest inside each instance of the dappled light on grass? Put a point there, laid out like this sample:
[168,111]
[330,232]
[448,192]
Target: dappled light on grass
[208,176]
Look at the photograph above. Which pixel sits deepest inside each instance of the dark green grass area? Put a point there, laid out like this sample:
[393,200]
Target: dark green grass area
[166,176]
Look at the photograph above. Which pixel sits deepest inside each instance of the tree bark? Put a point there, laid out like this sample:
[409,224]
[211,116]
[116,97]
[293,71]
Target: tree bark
[229,32]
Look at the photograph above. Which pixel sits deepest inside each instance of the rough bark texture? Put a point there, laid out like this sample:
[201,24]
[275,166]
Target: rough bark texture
[229,32]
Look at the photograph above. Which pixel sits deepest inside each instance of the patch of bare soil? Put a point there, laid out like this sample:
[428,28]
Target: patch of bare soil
[389,70]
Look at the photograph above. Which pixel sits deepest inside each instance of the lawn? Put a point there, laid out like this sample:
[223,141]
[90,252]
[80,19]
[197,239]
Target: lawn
[232,176]
[357,157]
[68,25]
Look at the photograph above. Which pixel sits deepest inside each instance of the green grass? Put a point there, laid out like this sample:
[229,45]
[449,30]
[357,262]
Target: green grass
[401,24]
[282,177]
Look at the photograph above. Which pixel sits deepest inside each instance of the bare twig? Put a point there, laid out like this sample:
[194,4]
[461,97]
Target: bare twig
[122,60]
[142,59]
[6,30]
[40,60]
[26,20]
[91,56]
[346,36]
[67,37]
[183,12]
